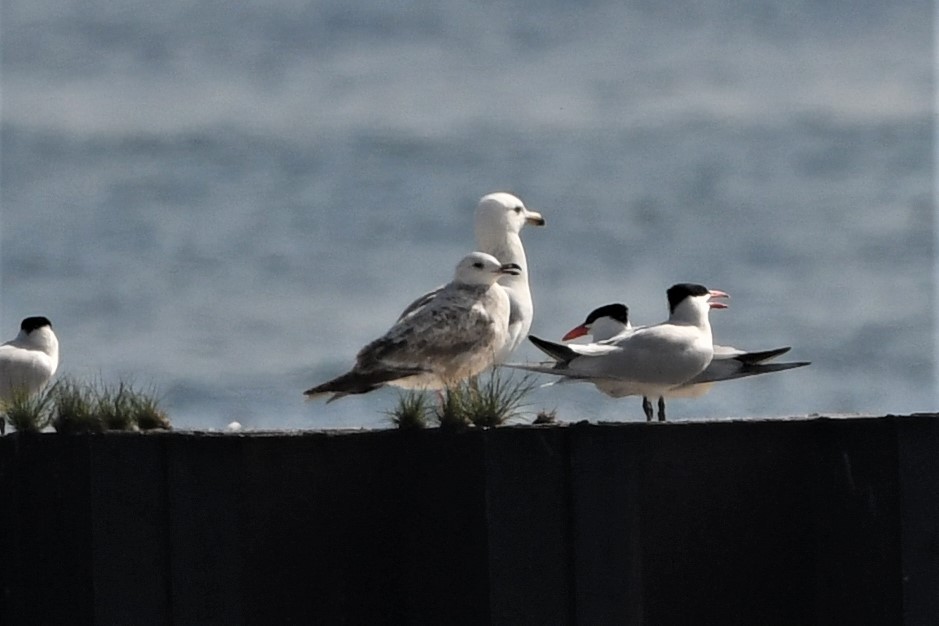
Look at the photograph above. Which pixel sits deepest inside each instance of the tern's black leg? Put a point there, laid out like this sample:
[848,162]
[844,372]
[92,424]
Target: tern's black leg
[647,408]
[661,409]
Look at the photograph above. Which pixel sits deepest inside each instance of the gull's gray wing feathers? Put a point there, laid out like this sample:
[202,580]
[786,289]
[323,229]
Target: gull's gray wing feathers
[450,336]
[421,302]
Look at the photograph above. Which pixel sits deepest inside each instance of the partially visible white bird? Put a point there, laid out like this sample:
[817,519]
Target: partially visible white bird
[453,336]
[500,218]
[608,322]
[28,361]
[602,324]
[649,361]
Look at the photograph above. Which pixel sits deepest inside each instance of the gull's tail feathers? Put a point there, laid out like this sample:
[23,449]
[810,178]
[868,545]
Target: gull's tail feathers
[355,382]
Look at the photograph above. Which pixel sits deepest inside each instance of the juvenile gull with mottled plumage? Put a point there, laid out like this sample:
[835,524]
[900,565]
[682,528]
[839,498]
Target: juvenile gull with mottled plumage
[499,220]
[455,335]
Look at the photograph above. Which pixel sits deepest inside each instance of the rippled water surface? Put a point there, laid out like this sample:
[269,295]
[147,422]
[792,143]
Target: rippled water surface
[229,201]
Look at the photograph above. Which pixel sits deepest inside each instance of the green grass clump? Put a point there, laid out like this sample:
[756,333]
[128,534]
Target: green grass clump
[95,407]
[146,411]
[75,408]
[114,404]
[451,412]
[28,412]
[484,401]
[71,406]
[411,410]
[498,398]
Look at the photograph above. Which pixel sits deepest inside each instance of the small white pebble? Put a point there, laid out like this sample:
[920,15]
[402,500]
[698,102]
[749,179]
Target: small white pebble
[234,427]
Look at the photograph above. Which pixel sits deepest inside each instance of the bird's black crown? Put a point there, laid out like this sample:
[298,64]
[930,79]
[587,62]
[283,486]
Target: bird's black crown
[618,311]
[677,293]
[32,323]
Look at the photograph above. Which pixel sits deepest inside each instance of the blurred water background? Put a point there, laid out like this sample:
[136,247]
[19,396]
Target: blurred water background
[228,200]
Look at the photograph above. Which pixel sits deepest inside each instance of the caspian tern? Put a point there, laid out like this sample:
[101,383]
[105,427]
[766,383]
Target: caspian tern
[500,218]
[28,361]
[648,361]
[454,336]
[603,323]
[608,322]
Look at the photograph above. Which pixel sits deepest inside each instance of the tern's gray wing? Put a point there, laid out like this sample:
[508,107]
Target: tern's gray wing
[731,369]
[729,352]
[760,357]
[730,363]
[564,353]
[560,352]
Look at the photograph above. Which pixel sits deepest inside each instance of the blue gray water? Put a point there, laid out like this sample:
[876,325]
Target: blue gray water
[227,201]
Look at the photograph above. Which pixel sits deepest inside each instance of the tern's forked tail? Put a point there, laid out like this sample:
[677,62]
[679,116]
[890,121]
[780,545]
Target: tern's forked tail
[557,351]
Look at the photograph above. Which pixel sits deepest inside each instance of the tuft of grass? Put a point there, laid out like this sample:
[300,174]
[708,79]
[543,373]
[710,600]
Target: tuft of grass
[28,412]
[498,398]
[75,408]
[114,406]
[96,407]
[487,402]
[546,417]
[411,410]
[146,411]
[451,412]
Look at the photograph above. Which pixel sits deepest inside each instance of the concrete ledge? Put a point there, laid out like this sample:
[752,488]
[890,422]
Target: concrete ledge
[773,522]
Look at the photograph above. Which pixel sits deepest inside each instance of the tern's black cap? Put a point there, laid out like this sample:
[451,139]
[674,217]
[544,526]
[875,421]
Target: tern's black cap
[677,293]
[618,311]
[32,323]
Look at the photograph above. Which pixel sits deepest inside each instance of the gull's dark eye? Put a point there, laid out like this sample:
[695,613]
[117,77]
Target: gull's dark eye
[518,209]
[478,265]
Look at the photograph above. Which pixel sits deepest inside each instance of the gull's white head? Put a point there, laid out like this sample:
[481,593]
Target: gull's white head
[602,323]
[479,268]
[690,302]
[502,212]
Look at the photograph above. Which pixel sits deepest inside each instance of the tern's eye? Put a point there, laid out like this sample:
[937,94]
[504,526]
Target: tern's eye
[518,209]
[478,265]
